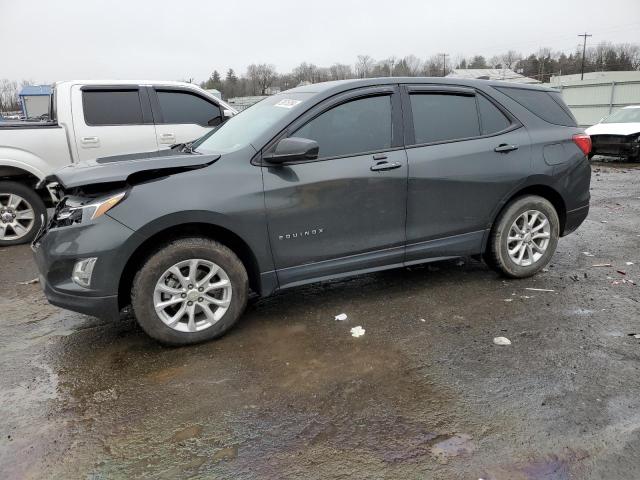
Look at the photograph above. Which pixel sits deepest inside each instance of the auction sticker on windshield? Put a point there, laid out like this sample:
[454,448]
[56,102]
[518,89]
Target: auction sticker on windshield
[287,103]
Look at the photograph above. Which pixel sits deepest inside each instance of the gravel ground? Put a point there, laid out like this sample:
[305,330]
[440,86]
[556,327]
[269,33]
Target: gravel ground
[290,393]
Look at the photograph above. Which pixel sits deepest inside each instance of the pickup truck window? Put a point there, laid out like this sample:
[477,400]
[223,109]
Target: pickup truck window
[442,117]
[352,128]
[184,107]
[112,107]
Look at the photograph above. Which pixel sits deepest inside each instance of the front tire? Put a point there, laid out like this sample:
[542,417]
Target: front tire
[190,291]
[21,211]
[524,237]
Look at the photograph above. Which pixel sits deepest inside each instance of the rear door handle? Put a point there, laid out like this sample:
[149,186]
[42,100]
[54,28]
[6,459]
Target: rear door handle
[382,166]
[505,148]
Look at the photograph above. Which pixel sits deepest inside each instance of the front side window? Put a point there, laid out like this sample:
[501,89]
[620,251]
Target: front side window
[351,128]
[441,117]
[112,107]
[185,107]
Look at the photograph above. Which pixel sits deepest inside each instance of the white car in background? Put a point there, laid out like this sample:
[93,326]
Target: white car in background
[618,134]
[91,119]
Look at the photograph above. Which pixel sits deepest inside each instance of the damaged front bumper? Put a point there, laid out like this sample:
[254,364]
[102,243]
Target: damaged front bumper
[616,145]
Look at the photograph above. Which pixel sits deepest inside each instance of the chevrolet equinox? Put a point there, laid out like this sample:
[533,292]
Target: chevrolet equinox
[318,182]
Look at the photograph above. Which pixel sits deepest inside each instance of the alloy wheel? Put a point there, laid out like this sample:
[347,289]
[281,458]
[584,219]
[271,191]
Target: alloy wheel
[528,238]
[17,216]
[192,295]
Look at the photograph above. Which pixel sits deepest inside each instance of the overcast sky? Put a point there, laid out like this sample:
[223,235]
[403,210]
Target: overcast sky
[47,40]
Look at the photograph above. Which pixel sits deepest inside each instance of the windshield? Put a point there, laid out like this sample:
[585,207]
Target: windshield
[624,115]
[250,124]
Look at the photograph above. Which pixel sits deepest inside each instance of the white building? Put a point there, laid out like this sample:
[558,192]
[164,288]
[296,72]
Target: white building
[503,74]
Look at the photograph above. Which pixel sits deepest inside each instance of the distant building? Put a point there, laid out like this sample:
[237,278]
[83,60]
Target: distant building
[215,92]
[503,74]
[599,94]
[35,100]
[242,103]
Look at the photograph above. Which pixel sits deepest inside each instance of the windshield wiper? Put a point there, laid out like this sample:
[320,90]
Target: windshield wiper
[184,147]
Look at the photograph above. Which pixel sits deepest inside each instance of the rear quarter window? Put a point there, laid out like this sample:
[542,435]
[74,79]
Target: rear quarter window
[549,106]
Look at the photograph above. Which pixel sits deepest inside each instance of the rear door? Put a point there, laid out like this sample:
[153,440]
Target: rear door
[112,120]
[182,116]
[345,211]
[465,154]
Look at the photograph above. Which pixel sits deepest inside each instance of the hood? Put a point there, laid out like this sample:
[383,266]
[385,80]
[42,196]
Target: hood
[127,169]
[614,129]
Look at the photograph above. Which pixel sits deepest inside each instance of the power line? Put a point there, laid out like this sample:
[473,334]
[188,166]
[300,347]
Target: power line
[584,52]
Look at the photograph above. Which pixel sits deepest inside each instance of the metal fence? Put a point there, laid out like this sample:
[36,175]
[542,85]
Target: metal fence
[589,101]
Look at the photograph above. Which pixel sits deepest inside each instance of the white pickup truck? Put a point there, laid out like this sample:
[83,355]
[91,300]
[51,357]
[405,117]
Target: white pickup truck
[88,120]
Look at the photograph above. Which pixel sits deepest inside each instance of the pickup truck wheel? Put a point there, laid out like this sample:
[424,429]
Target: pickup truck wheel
[524,238]
[20,213]
[190,291]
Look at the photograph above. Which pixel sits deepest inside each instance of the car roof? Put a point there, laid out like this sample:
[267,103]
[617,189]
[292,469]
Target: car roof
[111,81]
[337,86]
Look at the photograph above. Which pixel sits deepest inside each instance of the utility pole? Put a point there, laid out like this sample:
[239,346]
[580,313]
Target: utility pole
[444,64]
[584,51]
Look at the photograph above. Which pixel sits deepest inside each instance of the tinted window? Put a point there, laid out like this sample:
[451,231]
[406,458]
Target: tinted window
[354,127]
[493,120]
[441,117]
[182,107]
[112,107]
[547,105]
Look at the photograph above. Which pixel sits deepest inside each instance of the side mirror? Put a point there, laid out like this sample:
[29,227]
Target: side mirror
[226,113]
[293,149]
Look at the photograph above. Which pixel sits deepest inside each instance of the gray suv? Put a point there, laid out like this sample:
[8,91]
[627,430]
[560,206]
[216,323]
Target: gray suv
[318,182]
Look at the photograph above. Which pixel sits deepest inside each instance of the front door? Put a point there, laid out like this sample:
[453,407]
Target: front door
[465,155]
[345,211]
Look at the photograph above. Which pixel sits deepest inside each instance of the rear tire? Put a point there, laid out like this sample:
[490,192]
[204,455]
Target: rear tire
[21,210]
[197,308]
[524,237]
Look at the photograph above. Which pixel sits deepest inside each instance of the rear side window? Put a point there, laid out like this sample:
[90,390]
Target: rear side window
[549,106]
[184,107]
[492,119]
[112,107]
[354,127]
[443,117]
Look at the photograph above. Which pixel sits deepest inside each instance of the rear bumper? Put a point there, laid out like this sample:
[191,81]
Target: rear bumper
[575,219]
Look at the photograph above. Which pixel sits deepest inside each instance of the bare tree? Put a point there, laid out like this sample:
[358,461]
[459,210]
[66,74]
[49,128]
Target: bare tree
[364,63]
[261,76]
[8,95]
[510,59]
[340,71]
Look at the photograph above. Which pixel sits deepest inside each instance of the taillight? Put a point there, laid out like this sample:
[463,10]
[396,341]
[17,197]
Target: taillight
[583,141]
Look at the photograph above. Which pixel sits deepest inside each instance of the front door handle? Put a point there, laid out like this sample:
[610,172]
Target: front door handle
[505,148]
[167,138]
[382,166]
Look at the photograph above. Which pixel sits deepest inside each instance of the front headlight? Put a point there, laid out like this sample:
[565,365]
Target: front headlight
[74,210]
